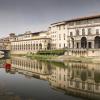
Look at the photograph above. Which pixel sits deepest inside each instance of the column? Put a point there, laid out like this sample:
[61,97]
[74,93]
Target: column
[93,45]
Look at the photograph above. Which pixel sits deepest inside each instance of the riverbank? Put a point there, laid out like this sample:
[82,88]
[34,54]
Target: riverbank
[42,57]
[65,58]
[77,59]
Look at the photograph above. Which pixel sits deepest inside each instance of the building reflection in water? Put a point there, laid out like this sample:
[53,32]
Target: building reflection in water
[76,79]
[30,67]
[84,80]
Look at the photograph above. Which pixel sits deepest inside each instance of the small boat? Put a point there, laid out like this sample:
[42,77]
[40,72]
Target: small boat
[7,66]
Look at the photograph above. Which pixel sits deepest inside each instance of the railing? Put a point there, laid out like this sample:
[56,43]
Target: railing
[84,49]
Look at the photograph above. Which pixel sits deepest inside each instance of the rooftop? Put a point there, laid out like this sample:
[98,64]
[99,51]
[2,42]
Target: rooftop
[38,32]
[76,19]
[84,18]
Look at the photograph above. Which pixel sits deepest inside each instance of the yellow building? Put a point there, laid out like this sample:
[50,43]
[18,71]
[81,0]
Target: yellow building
[30,42]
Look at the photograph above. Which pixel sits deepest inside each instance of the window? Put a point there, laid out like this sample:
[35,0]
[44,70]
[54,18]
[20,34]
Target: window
[77,32]
[97,86]
[77,84]
[63,26]
[89,45]
[83,32]
[71,82]
[89,31]
[97,31]
[59,27]
[77,45]
[89,86]
[71,33]
[89,74]
[59,45]
[83,85]
[59,76]
[71,24]
[59,36]
[64,77]
[64,36]
[64,45]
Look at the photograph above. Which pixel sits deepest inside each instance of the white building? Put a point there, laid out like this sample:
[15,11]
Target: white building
[58,33]
[84,36]
[30,43]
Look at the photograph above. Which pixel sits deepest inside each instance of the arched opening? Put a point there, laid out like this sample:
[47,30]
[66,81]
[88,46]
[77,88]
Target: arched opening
[49,46]
[40,46]
[72,42]
[83,42]
[26,46]
[97,76]
[97,42]
[83,75]
[36,46]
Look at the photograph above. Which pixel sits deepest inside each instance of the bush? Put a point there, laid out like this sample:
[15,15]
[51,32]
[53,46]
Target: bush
[52,52]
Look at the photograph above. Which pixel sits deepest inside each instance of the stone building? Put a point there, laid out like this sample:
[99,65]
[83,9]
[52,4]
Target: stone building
[84,36]
[30,42]
[58,35]
[5,43]
[80,36]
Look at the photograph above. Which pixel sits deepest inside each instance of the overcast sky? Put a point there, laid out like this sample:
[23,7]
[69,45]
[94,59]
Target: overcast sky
[19,16]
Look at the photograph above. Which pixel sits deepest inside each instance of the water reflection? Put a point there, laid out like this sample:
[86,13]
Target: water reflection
[76,79]
[30,67]
[84,80]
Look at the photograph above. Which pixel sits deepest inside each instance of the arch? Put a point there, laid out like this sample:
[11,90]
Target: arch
[97,76]
[49,46]
[40,46]
[97,42]
[36,46]
[83,42]
[83,75]
[72,42]
[26,46]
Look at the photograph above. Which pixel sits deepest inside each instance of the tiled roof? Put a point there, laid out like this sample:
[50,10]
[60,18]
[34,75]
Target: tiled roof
[84,18]
[77,19]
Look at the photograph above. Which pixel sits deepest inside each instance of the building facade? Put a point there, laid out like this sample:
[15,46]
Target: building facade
[58,35]
[84,36]
[80,36]
[30,42]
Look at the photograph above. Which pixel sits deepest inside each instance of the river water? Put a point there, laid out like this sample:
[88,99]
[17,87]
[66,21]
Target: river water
[28,79]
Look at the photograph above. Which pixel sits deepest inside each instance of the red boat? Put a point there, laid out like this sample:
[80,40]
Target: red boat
[7,66]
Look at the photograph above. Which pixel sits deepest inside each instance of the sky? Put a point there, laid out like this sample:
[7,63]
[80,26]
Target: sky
[18,16]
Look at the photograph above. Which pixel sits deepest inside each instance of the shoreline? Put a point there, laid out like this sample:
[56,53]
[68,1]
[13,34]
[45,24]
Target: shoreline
[63,58]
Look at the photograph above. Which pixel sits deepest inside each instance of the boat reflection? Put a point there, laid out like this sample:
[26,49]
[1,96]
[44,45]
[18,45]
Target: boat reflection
[77,79]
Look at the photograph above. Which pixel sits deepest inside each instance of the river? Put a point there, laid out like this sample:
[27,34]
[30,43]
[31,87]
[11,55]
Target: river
[27,79]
